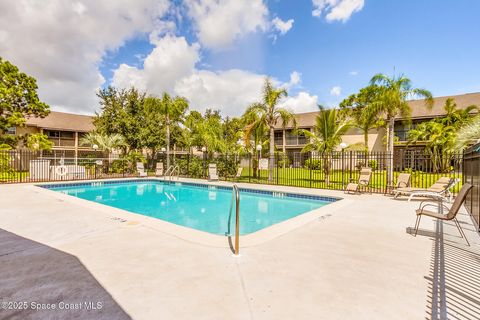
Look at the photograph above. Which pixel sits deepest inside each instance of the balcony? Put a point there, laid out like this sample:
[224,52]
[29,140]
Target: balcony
[62,142]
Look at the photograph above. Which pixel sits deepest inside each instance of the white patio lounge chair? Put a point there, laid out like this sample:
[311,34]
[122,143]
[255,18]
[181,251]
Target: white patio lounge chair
[212,172]
[159,169]
[363,180]
[439,190]
[239,173]
[141,169]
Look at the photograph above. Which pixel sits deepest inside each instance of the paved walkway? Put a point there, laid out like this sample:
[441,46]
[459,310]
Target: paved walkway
[357,262]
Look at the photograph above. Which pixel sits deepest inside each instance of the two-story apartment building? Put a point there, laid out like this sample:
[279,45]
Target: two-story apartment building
[65,130]
[285,139]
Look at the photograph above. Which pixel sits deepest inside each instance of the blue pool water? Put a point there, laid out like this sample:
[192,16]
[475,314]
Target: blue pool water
[196,206]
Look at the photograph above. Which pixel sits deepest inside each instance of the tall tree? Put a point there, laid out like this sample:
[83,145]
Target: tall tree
[270,114]
[361,108]
[122,112]
[171,110]
[18,97]
[327,133]
[455,116]
[255,133]
[392,101]
[209,132]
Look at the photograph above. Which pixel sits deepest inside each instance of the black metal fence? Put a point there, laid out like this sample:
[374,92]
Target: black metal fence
[326,171]
[471,174]
[18,166]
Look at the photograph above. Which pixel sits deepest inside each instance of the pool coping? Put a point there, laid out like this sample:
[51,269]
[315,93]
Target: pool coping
[197,236]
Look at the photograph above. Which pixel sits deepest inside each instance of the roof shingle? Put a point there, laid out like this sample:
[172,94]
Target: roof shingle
[63,121]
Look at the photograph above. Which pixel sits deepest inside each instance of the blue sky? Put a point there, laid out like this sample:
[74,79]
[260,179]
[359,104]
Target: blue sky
[432,42]
[217,53]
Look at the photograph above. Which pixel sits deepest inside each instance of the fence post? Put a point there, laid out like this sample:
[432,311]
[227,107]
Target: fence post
[249,167]
[277,155]
[310,168]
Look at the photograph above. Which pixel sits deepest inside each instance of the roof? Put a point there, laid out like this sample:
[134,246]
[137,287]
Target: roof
[419,110]
[63,121]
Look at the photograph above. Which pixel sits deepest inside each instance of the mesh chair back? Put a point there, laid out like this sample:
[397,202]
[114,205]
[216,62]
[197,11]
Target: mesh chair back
[365,175]
[403,180]
[442,184]
[457,204]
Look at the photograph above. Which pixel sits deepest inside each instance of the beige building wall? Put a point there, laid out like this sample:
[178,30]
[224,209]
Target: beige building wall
[375,138]
[26,130]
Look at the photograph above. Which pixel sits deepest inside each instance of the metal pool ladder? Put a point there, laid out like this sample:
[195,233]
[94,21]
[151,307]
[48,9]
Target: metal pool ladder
[170,172]
[236,197]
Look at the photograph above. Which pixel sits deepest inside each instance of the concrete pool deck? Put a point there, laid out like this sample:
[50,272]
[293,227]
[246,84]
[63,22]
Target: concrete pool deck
[355,261]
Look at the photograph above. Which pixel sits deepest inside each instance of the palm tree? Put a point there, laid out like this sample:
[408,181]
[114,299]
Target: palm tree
[469,133]
[104,142]
[327,135]
[171,111]
[270,114]
[438,139]
[254,133]
[392,101]
[454,116]
[209,132]
[361,108]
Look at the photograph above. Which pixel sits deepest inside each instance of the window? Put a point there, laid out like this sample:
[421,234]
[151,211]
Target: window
[67,134]
[53,134]
[11,130]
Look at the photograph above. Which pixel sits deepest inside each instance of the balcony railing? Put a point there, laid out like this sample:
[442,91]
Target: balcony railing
[62,142]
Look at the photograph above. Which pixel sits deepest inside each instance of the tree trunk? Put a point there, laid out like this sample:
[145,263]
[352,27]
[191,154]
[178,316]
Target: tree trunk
[390,135]
[326,168]
[168,141]
[272,155]
[365,141]
[284,151]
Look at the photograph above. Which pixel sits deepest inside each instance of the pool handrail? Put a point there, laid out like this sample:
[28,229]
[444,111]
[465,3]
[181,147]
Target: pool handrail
[236,195]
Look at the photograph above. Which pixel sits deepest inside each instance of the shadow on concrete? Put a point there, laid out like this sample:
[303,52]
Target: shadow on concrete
[35,274]
[454,279]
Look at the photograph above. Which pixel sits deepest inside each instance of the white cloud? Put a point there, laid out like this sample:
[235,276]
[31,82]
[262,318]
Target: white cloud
[230,91]
[295,79]
[302,102]
[61,43]
[336,91]
[340,10]
[220,23]
[353,73]
[282,26]
[170,67]
[171,59]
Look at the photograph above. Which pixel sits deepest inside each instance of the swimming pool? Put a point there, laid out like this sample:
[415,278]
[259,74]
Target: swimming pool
[198,206]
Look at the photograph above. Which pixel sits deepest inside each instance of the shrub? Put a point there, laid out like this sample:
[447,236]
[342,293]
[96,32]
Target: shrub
[5,160]
[313,164]
[285,161]
[191,167]
[120,166]
[227,166]
[373,164]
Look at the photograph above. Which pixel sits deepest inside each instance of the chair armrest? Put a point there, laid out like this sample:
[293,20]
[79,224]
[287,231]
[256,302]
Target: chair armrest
[363,182]
[432,203]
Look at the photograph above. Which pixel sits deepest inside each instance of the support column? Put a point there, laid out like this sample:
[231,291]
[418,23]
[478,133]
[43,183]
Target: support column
[76,147]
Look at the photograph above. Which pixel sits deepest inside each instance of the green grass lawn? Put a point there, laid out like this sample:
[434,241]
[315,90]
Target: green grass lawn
[301,177]
[15,176]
